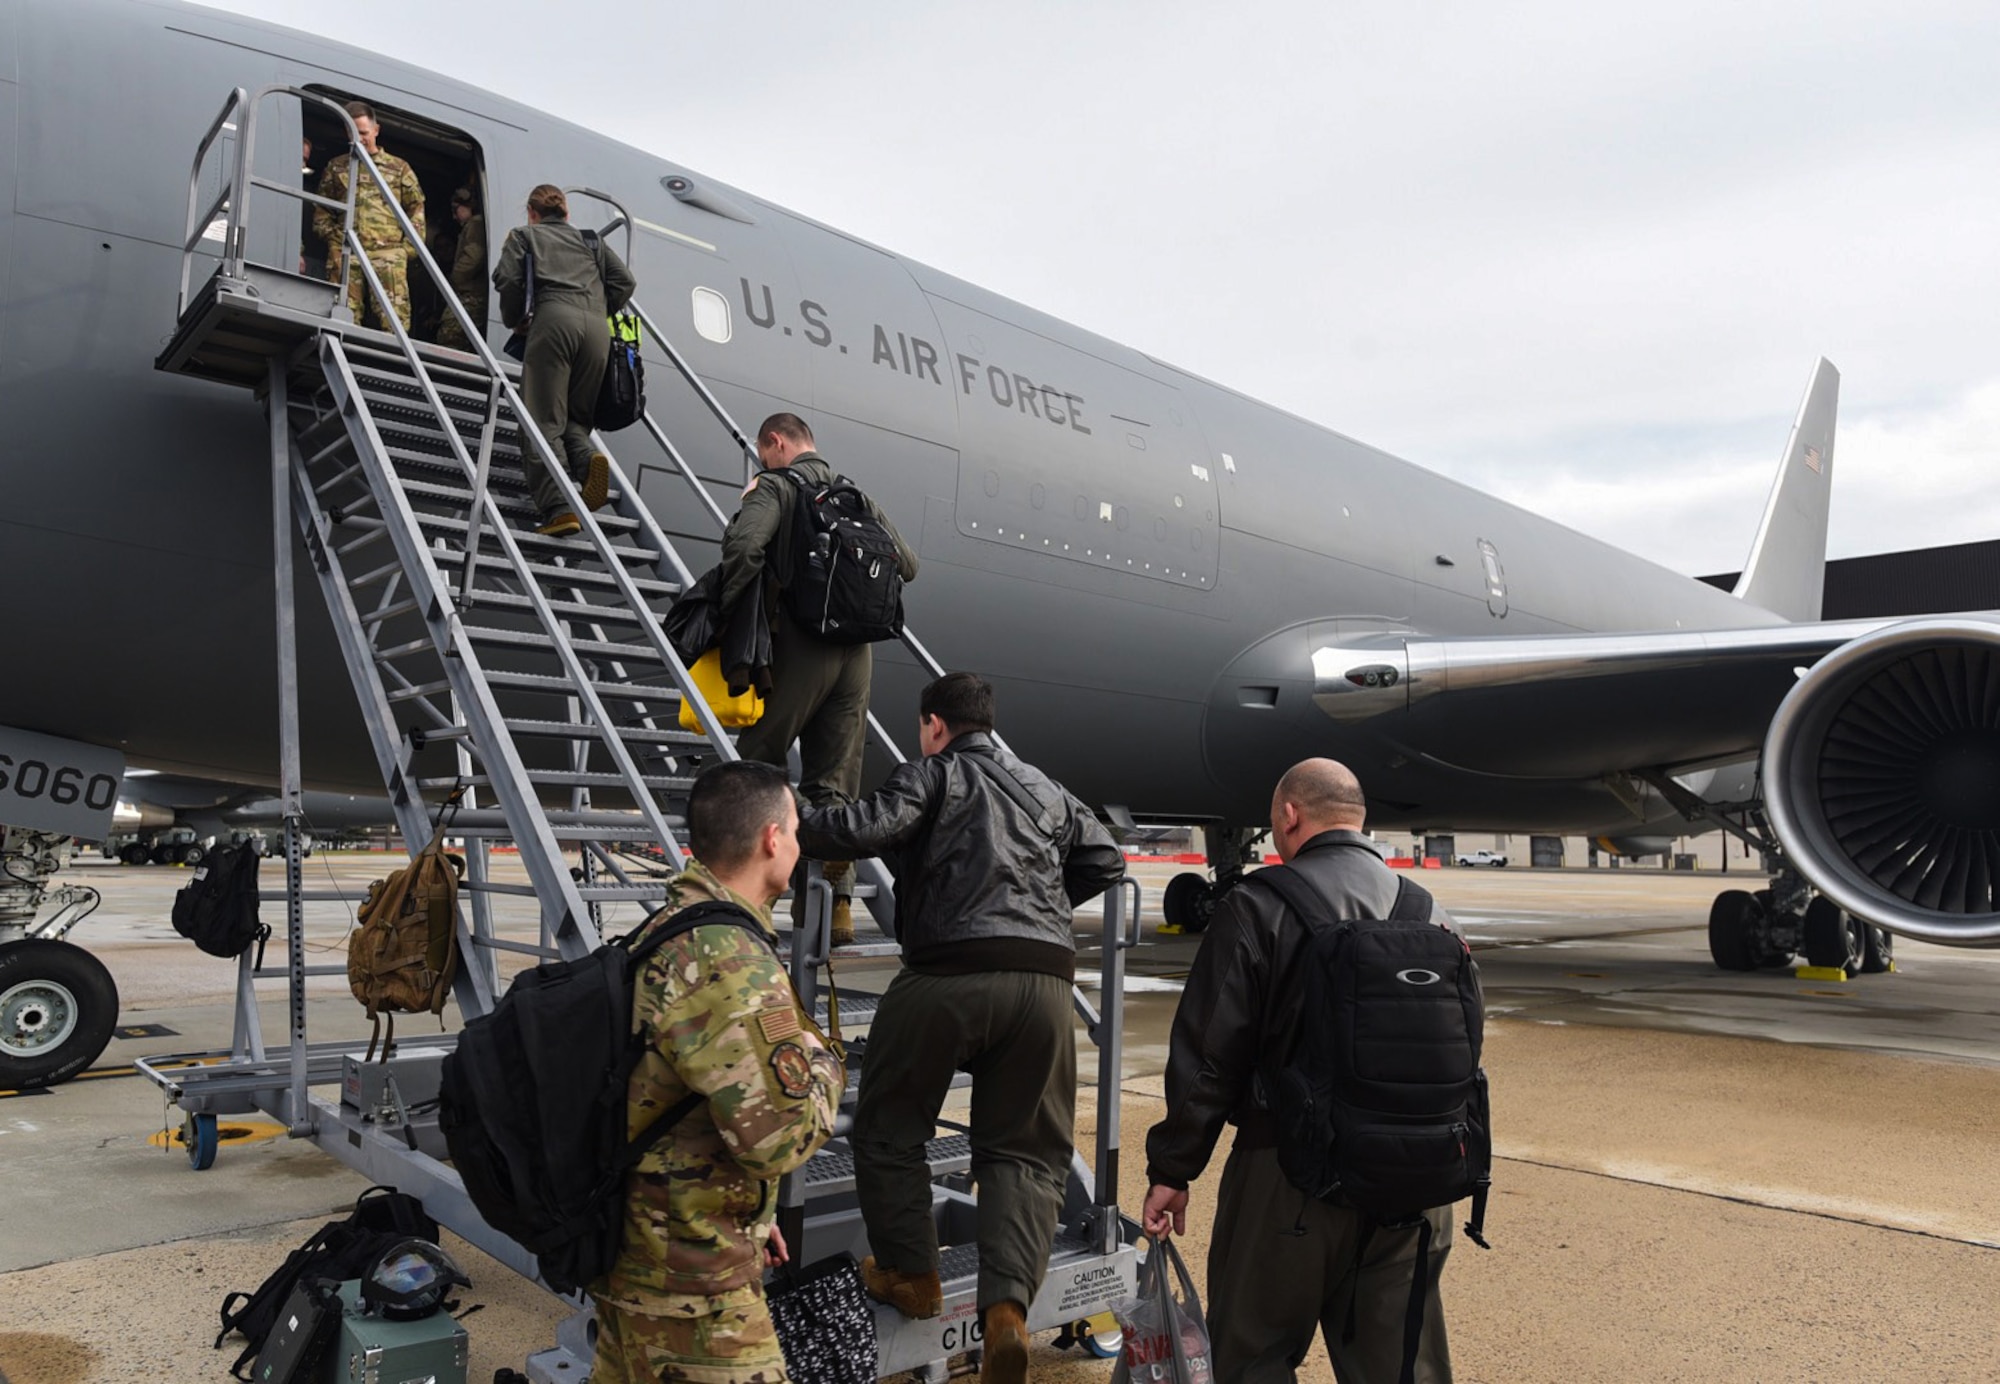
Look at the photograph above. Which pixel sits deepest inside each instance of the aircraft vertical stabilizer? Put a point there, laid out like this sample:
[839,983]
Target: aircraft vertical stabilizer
[1786,573]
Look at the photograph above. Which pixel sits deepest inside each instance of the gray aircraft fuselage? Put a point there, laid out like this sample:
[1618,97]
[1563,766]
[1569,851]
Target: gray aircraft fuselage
[1141,561]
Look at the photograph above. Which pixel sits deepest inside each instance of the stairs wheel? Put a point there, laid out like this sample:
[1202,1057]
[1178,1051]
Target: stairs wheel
[1100,1336]
[199,1133]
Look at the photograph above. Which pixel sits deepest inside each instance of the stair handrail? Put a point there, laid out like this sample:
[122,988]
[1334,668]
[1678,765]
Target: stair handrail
[197,226]
[231,203]
[480,500]
[475,335]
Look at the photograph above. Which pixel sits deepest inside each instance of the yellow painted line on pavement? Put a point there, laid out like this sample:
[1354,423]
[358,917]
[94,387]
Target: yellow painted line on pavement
[234,1132]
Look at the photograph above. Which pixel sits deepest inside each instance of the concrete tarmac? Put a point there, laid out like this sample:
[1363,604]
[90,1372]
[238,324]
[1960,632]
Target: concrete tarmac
[1702,1176]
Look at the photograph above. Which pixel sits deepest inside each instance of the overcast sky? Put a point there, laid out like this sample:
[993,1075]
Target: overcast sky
[1580,255]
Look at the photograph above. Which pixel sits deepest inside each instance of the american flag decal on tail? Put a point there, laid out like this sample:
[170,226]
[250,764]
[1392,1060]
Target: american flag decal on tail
[1812,458]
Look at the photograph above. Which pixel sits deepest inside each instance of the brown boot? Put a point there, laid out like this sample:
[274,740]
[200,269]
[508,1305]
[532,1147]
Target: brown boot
[837,874]
[918,1295]
[1005,1354]
[595,484]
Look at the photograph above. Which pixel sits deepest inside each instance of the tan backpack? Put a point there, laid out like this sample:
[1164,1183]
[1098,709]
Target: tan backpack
[402,958]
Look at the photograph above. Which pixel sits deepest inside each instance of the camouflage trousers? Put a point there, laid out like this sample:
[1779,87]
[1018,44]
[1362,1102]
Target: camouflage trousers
[450,334]
[392,268]
[734,1343]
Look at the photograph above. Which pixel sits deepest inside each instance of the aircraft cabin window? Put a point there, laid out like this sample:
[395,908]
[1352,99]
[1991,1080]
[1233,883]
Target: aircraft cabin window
[711,315]
[1496,578]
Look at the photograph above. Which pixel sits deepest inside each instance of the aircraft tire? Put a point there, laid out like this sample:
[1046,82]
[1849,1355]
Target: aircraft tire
[194,854]
[1831,937]
[1732,926]
[1877,949]
[135,854]
[58,1006]
[161,855]
[1188,902]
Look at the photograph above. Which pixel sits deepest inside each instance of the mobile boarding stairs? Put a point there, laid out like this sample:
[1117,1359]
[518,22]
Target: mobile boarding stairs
[529,676]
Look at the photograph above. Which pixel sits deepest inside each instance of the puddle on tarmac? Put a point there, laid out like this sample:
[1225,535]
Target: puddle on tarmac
[45,1359]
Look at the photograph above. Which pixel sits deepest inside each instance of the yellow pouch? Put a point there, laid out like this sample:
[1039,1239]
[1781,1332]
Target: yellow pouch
[735,712]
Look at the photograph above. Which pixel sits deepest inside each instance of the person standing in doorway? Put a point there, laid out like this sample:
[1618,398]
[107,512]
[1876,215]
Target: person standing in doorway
[375,225]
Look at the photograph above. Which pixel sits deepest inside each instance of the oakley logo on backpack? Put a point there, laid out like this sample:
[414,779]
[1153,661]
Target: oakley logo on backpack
[1414,977]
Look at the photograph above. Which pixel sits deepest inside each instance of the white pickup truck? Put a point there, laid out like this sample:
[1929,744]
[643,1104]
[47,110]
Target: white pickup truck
[1483,858]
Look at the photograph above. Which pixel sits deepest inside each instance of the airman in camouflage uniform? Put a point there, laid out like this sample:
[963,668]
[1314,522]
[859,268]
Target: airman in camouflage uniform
[374,223]
[685,1299]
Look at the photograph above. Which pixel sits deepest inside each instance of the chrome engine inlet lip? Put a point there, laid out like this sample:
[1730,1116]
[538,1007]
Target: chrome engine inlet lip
[1791,748]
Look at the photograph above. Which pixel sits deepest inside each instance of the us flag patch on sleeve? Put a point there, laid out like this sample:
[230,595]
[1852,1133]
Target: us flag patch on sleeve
[779,1024]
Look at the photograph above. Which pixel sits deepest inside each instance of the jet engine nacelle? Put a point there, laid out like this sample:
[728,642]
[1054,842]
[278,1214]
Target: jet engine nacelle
[131,816]
[1882,778]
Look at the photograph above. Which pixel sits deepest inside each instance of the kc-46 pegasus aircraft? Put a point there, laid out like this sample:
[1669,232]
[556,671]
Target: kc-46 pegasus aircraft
[1176,590]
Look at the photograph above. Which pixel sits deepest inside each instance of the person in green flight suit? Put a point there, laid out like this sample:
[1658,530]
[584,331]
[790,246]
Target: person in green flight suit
[467,270]
[374,223]
[819,691]
[559,288]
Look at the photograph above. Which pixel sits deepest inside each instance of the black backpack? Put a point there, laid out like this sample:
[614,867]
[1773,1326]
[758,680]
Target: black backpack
[339,1250]
[621,399]
[532,1101]
[217,909]
[1381,1103]
[842,579]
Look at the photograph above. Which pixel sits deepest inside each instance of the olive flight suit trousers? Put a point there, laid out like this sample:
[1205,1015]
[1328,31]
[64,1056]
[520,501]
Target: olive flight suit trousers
[1012,1031]
[1282,1265]
[561,373]
[819,697]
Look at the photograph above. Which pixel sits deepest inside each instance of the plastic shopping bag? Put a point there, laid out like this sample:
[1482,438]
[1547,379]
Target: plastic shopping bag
[1166,1337]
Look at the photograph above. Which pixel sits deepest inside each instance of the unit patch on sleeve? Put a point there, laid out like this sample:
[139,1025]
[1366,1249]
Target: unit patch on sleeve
[793,1069]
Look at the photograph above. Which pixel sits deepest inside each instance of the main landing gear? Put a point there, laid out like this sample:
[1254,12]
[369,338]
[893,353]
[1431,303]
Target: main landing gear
[1189,900]
[58,1004]
[1771,927]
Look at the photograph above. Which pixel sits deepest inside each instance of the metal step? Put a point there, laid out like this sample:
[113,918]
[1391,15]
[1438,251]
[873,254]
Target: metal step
[528,538]
[600,892]
[503,476]
[396,408]
[437,366]
[831,1171]
[505,832]
[488,822]
[511,503]
[631,735]
[562,687]
[564,778]
[488,564]
[596,648]
[482,599]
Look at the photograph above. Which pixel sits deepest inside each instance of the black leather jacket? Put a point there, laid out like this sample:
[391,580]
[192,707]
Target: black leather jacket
[1241,1003]
[991,858]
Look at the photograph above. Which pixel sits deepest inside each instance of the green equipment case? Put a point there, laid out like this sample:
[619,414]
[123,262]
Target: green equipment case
[375,1350]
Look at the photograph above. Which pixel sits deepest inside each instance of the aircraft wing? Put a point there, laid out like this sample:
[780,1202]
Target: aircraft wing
[1570,706]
